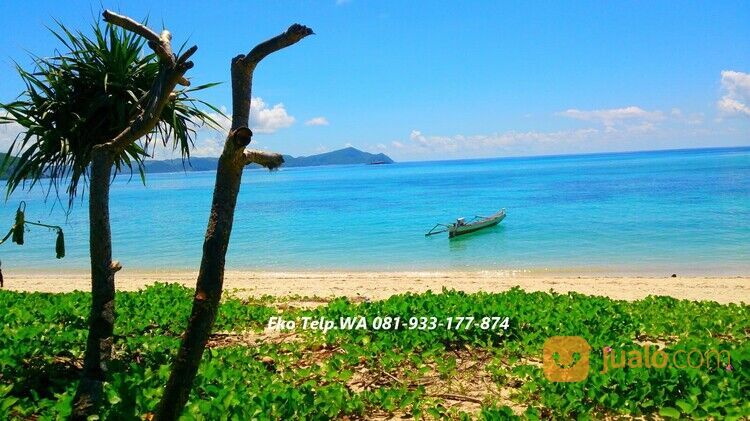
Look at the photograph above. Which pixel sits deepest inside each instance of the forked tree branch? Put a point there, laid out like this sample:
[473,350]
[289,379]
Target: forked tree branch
[244,65]
[268,160]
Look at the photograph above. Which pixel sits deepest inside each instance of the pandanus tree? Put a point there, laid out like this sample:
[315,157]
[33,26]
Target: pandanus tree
[89,113]
[232,161]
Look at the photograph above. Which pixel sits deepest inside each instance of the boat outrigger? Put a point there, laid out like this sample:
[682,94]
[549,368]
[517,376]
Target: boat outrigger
[461,226]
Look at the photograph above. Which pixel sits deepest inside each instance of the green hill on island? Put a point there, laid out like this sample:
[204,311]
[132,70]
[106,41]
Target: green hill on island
[346,156]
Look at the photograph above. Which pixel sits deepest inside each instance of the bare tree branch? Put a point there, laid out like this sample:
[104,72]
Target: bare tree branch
[244,65]
[129,24]
[269,160]
[161,44]
[292,35]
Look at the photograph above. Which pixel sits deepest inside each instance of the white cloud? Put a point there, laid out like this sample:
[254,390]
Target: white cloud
[263,120]
[268,120]
[693,118]
[614,116]
[731,106]
[498,142]
[736,88]
[687,130]
[397,144]
[205,145]
[317,121]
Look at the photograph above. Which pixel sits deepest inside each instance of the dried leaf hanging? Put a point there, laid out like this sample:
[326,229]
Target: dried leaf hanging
[60,244]
[19,226]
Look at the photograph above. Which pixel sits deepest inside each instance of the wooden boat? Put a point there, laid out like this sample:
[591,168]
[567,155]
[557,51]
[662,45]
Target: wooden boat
[461,226]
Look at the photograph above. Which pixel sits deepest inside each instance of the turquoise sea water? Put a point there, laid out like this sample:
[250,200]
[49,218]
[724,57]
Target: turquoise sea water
[646,212]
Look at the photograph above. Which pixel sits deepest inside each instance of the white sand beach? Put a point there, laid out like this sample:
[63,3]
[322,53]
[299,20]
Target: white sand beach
[380,285]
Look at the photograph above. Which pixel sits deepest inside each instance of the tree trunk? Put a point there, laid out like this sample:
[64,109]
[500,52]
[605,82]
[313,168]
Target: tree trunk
[101,320]
[228,177]
[208,289]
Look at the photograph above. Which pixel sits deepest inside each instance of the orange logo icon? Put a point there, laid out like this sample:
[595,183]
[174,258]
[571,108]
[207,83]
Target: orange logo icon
[566,359]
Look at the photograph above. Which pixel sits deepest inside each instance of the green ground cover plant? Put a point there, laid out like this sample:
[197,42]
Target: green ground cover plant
[249,372]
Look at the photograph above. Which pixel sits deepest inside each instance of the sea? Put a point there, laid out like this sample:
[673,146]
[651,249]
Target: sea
[637,213]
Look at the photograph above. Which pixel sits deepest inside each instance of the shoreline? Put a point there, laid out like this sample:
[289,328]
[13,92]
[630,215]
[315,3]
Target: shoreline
[377,285]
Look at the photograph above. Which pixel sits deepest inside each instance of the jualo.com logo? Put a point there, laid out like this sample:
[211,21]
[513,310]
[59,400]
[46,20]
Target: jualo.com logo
[566,359]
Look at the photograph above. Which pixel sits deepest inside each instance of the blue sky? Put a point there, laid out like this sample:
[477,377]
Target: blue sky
[445,80]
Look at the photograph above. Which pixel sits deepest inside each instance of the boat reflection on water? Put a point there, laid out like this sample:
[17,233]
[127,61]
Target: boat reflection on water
[475,239]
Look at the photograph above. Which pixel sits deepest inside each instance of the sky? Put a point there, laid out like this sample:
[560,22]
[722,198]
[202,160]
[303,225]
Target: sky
[425,80]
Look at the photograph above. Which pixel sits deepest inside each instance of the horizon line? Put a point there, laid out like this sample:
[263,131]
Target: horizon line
[552,155]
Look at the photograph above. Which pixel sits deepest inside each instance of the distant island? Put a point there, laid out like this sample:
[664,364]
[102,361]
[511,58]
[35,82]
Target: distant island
[346,156]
